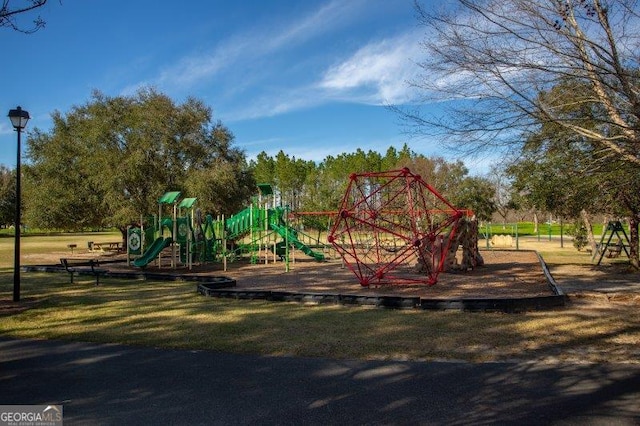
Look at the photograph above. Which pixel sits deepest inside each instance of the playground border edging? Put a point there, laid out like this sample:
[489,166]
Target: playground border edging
[511,305]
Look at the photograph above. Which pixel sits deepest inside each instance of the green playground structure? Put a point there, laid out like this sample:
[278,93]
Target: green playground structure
[193,238]
[257,224]
[152,252]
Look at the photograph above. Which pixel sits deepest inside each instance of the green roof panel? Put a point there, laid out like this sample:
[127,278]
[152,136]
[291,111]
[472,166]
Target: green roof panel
[265,189]
[169,197]
[187,203]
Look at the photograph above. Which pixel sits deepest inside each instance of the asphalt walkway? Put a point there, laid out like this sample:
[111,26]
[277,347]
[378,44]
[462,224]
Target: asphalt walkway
[123,385]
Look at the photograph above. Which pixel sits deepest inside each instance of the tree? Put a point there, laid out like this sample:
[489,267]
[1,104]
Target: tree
[58,191]
[223,182]
[9,14]
[264,168]
[570,175]
[108,161]
[7,196]
[503,199]
[490,59]
[476,194]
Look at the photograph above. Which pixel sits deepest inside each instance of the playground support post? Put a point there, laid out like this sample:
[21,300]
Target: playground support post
[175,235]
[224,245]
[286,239]
[128,257]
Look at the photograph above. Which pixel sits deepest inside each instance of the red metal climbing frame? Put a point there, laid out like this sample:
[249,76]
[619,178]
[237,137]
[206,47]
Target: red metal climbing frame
[393,228]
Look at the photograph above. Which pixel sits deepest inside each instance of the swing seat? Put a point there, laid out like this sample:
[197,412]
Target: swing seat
[614,251]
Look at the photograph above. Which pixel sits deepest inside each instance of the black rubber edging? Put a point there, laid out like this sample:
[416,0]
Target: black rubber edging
[397,302]
[511,305]
[213,282]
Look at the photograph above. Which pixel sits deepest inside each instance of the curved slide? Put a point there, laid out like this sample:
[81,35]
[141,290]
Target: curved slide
[290,234]
[152,252]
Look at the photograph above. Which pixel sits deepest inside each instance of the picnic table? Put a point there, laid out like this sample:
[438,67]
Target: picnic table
[111,246]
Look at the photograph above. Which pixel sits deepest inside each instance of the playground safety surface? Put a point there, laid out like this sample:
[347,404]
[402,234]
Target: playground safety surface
[509,281]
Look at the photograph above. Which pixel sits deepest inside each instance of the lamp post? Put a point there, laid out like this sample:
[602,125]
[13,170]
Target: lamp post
[19,119]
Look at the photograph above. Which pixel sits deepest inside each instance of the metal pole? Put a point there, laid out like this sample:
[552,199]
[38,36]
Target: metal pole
[16,259]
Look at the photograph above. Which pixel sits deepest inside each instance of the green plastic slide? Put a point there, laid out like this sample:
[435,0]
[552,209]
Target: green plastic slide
[152,252]
[290,234]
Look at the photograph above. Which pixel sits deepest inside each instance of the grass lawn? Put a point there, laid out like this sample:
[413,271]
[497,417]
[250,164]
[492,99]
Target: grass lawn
[172,314]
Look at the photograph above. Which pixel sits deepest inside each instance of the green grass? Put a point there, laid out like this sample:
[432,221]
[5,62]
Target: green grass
[34,245]
[528,229]
[172,314]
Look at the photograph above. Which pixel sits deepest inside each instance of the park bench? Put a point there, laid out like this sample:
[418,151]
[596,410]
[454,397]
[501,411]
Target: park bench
[83,266]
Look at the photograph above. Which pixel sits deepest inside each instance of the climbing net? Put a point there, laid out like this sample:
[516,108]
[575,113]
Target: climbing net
[393,228]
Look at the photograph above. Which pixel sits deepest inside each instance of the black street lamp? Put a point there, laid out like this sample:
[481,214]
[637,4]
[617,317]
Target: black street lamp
[19,120]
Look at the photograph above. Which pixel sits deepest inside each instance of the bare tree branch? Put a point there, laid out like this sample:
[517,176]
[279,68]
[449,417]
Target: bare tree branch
[488,62]
[9,12]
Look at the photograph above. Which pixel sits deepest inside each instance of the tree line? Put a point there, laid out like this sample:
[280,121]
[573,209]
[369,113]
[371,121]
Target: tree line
[106,163]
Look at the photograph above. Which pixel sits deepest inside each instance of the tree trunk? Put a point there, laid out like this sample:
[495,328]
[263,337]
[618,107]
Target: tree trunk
[587,224]
[535,222]
[123,232]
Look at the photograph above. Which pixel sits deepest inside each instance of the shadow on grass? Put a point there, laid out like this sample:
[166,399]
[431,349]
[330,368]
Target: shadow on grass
[172,314]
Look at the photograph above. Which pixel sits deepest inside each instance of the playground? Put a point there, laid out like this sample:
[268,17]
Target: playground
[394,241]
[393,236]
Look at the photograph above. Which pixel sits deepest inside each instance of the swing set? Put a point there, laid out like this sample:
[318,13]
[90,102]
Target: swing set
[612,250]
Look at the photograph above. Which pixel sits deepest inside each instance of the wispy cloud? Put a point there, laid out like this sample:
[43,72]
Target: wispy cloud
[237,50]
[377,73]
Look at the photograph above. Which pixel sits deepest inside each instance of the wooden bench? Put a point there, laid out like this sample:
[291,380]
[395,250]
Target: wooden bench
[83,266]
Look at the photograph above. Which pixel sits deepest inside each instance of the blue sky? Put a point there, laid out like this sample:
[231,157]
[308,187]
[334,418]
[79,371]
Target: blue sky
[309,77]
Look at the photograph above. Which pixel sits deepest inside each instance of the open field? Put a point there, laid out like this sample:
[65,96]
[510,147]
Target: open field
[172,314]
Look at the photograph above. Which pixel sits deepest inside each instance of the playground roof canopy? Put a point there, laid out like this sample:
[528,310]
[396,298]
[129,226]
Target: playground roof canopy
[187,203]
[169,197]
[265,189]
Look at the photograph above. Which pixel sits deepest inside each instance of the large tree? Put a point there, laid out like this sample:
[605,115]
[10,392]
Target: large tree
[568,174]
[490,59]
[108,161]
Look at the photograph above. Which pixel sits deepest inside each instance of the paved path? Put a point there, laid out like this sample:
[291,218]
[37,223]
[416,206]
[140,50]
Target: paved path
[118,385]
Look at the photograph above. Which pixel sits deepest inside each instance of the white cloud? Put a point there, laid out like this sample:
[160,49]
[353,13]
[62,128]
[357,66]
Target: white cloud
[251,46]
[377,73]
